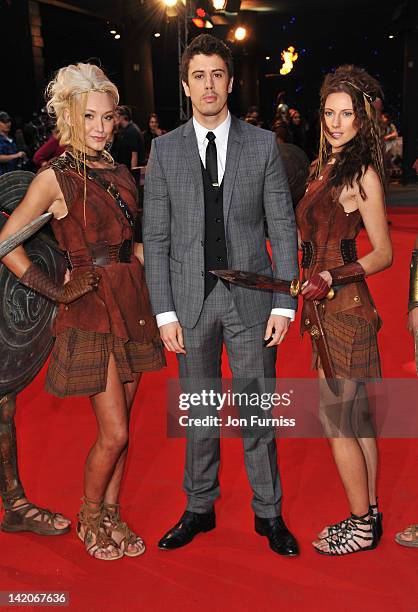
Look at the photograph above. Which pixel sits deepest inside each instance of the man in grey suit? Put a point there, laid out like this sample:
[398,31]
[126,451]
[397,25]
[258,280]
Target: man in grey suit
[208,186]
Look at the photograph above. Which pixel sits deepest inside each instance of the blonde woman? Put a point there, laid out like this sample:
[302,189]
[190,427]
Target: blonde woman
[106,335]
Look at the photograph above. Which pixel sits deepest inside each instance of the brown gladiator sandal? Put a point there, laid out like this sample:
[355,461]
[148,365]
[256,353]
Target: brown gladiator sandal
[95,537]
[114,523]
[28,517]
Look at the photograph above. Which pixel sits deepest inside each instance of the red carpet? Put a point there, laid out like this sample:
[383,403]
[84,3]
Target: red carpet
[231,567]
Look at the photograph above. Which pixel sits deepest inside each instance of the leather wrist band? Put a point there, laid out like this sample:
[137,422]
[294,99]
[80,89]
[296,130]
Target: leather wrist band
[348,273]
[413,282]
[35,278]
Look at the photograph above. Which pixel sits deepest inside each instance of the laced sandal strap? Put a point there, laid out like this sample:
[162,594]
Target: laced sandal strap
[41,515]
[351,538]
[11,497]
[115,523]
[333,529]
[91,519]
[112,511]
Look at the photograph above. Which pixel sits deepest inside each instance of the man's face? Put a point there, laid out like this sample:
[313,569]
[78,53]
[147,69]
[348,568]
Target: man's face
[153,124]
[122,121]
[209,85]
[5,126]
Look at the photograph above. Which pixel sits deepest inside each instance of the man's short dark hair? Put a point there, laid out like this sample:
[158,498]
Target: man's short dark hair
[206,44]
[125,112]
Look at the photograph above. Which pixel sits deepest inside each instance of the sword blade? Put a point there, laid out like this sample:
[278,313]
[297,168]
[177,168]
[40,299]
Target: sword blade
[23,234]
[251,280]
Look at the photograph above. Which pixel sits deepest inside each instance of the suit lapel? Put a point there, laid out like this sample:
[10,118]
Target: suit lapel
[191,153]
[233,153]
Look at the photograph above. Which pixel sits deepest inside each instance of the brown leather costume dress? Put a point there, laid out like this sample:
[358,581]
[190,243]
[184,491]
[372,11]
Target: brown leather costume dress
[117,318]
[350,320]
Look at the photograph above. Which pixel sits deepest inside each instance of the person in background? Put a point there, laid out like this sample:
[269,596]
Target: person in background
[128,144]
[153,131]
[253,116]
[299,128]
[9,155]
[389,135]
[50,149]
[281,125]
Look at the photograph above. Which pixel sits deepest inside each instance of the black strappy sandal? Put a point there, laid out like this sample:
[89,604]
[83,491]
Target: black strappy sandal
[348,539]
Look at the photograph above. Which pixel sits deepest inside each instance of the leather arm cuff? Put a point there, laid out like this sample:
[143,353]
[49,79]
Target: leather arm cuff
[35,278]
[413,282]
[348,273]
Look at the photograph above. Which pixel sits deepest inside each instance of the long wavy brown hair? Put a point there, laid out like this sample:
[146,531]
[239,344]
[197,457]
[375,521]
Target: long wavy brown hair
[366,148]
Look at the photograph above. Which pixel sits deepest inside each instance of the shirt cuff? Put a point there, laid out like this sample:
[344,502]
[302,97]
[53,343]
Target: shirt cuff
[284,312]
[166,317]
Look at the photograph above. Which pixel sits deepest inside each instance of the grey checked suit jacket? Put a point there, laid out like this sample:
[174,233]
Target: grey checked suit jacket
[173,231]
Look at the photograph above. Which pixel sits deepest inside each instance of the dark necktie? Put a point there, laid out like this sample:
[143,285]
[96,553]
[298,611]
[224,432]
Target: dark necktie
[212,159]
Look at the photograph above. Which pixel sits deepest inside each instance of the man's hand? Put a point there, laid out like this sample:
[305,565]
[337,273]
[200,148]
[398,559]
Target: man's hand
[172,336]
[413,321]
[277,326]
[139,251]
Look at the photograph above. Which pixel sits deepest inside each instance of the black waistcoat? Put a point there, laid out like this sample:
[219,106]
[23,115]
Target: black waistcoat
[216,257]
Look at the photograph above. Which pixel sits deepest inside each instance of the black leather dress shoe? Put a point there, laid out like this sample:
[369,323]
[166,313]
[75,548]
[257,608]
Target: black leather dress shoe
[279,537]
[190,524]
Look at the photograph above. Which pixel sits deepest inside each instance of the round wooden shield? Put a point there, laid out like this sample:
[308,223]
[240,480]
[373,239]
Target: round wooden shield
[25,316]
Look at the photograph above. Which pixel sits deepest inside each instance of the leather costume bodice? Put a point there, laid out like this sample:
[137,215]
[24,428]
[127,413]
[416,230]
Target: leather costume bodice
[329,234]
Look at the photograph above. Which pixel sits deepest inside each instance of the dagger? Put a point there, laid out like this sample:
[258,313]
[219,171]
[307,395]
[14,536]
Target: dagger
[251,280]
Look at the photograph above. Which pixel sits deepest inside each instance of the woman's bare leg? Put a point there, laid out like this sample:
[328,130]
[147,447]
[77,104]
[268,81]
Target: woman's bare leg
[112,422]
[336,415]
[112,491]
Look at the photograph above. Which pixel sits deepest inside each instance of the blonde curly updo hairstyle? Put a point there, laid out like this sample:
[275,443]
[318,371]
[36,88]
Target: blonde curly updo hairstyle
[68,91]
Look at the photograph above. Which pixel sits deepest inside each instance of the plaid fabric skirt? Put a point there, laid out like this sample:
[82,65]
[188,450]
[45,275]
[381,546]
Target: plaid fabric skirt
[79,361]
[352,343]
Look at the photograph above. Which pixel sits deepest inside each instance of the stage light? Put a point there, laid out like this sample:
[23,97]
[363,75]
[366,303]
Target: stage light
[391,36]
[219,5]
[157,35]
[198,22]
[240,33]
[201,19]
[170,3]
[117,36]
[267,57]
[113,31]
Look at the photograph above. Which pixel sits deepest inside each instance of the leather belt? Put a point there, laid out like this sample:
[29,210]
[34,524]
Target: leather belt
[312,253]
[100,254]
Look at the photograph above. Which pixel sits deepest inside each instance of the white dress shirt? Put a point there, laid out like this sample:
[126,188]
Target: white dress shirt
[221,132]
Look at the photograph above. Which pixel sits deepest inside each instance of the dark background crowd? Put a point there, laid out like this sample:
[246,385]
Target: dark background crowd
[30,145]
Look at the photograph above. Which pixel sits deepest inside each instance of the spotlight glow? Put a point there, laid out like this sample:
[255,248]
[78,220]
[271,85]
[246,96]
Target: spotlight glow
[157,35]
[240,33]
[113,31]
[170,3]
[117,36]
[219,5]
